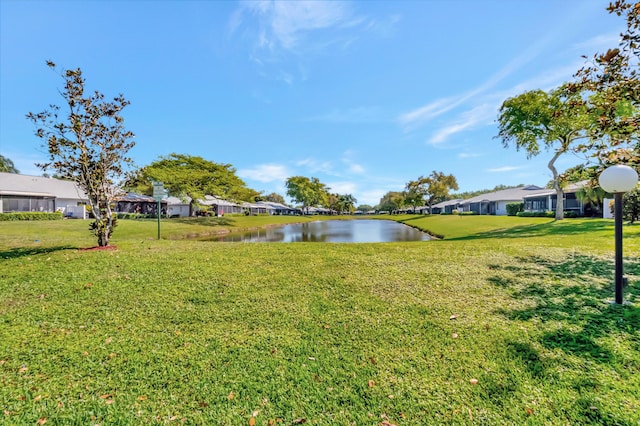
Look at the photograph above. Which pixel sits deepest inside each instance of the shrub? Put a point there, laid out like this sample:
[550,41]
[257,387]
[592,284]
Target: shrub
[536,214]
[631,208]
[470,213]
[30,216]
[514,208]
[571,214]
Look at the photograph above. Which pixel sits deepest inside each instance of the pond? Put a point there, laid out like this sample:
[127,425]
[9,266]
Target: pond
[332,231]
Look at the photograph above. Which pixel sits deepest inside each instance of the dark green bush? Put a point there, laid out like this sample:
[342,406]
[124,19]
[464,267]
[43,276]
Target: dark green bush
[514,208]
[631,209]
[470,213]
[30,216]
[536,214]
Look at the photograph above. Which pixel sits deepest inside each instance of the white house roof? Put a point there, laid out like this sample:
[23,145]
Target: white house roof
[511,194]
[274,205]
[571,188]
[208,201]
[38,186]
[443,204]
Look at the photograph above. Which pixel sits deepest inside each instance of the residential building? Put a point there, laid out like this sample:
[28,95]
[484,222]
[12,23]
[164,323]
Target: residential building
[24,193]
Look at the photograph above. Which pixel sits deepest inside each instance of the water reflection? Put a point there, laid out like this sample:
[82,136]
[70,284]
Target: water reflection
[332,231]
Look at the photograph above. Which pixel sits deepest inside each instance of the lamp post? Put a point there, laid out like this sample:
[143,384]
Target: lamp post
[617,180]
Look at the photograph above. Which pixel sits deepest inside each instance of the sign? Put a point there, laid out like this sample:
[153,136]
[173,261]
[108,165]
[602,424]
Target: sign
[158,191]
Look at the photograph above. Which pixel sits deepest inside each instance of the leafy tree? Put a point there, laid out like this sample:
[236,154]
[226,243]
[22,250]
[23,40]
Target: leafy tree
[275,198]
[611,82]
[414,194]
[6,165]
[578,173]
[364,208]
[538,120]
[88,145]
[346,203]
[333,201]
[192,177]
[391,201]
[431,189]
[308,192]
[631,205]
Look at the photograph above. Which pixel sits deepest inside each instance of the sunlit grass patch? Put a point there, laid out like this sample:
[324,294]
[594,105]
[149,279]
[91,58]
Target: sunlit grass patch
[208,333]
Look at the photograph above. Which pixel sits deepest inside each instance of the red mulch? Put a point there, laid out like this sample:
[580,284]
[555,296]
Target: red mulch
[98,248]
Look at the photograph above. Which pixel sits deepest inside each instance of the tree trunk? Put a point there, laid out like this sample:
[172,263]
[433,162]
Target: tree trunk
[556,185]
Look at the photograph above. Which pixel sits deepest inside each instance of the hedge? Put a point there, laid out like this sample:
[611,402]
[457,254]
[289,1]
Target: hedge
[30,216]
[514,208]
[536,214]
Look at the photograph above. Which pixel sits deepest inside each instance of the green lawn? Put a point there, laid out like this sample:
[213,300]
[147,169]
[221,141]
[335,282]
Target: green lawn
[182,331]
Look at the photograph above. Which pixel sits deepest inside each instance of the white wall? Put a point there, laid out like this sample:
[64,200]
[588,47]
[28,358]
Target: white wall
[501,208]
[606,211]
[178,209]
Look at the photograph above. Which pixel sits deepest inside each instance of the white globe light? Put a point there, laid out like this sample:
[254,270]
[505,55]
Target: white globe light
[618,178]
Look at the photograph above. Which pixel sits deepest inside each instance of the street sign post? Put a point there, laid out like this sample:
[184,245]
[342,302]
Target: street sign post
[158,194]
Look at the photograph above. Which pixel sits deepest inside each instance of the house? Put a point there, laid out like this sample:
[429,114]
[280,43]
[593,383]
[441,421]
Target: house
[495,203]
[257,208]
[444,207]
[280,209]
[137,203]
[24,193]
[178,207]
[547,200]
[320,211]
[221,207]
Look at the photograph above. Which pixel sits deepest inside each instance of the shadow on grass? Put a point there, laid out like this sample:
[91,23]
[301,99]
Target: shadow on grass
[205,221]
[31,251]
[582,308]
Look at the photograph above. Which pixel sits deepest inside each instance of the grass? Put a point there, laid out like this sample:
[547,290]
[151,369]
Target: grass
[181,331]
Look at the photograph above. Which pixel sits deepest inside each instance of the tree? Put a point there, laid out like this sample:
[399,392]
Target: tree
[610,82]
[538,120]
[346,203]
[414,194]
[364,208]
[391,201]
[6,165]
[631,205]
[431,189]
[192,177]
[274,198]
[591,194]
[87,145]
[308,192]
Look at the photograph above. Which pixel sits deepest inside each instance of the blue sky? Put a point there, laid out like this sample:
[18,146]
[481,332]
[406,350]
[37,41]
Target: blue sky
[363,95]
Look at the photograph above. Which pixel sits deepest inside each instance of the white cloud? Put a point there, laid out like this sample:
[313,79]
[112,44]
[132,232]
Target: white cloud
[265,173]
[313,166]
[371,197]
[504,169]
[285,24]
[356,168]
[420,116]
[352,166]
[342,187]
[477,116]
